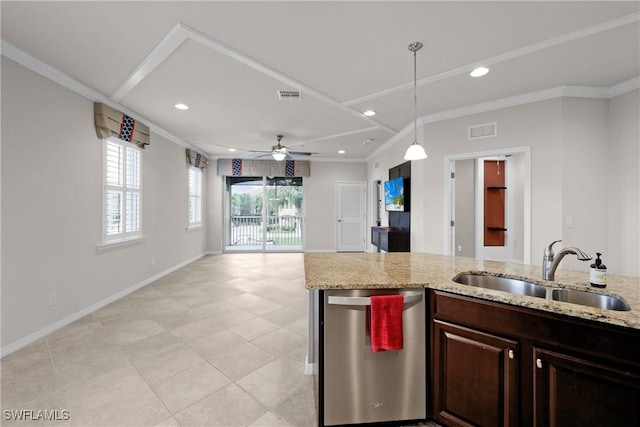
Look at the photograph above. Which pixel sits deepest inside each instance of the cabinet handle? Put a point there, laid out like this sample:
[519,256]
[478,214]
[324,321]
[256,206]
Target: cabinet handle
[539,363]
[511,354]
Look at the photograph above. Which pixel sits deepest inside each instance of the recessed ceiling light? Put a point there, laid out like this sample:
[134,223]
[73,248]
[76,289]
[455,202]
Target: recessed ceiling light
[181,106]
[479,72]
[369,113]
[341,151]
[232,149]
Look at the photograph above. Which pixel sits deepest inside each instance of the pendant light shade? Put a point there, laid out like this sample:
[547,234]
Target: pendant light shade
[415,150]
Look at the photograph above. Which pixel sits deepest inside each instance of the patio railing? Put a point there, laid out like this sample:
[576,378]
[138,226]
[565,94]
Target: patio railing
[247,230]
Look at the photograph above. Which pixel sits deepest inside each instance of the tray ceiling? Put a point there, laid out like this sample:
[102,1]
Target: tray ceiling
[227,60]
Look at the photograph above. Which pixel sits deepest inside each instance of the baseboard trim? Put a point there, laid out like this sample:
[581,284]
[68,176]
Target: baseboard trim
[31,338]
[309,368]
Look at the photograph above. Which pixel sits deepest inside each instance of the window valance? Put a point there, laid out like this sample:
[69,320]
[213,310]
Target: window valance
[196,159]
[110,122]
[243,167]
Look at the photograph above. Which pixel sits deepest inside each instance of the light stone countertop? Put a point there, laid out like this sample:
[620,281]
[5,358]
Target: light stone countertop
[421,270]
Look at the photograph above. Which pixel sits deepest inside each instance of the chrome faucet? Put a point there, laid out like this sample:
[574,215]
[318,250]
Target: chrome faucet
[550,261]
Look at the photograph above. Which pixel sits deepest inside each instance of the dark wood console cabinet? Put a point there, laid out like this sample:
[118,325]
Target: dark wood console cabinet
[391,239]
[501,365]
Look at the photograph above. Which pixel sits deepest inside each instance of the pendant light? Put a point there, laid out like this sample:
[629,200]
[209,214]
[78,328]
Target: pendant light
[415,150]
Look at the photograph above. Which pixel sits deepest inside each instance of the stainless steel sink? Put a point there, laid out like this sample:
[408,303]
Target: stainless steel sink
[605,302]
[523,287]
[505,284]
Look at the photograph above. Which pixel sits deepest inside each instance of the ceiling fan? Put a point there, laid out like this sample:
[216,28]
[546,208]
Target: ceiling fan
[280,152]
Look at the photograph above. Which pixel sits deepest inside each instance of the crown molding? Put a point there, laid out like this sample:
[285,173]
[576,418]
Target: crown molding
[567,91]
[157,56]
[180,32]
[624,87]
[506,56]
[37,66]
[55,75]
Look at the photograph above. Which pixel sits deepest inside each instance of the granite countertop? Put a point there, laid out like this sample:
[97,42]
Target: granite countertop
[421,270]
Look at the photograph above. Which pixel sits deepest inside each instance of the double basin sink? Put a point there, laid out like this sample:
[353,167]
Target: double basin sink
[523,287]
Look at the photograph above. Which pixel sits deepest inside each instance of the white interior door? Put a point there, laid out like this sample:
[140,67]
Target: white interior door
[351,216]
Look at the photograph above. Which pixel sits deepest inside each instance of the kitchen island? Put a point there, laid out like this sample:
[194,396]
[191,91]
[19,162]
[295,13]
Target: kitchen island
[496,358]
[421,270]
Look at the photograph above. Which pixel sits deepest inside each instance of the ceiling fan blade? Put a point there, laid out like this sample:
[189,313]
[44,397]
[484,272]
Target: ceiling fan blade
[302,153]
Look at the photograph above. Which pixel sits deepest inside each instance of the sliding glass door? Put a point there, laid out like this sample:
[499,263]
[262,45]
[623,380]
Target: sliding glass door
[265,214]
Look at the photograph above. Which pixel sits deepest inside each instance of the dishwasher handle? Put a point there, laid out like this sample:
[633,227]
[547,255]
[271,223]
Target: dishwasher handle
[338,300]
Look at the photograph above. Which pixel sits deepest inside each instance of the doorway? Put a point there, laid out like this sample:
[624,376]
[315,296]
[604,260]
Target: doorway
[465,195]
[351,216]
[264,214]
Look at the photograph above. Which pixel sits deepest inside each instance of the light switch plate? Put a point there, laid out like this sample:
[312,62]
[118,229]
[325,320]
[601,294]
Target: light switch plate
[569,222]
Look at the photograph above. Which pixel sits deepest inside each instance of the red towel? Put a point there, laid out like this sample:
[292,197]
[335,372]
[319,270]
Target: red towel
[386,322]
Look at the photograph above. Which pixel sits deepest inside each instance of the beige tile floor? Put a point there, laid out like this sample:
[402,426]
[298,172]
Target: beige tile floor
[220,342]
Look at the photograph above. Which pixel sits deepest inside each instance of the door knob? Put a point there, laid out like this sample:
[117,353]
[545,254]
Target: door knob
[539,363]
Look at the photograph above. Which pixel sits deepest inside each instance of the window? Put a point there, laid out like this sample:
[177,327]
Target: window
[195,197]
[122,190]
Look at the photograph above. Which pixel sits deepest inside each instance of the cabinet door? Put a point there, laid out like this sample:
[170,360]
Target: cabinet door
[375,237]
[569,391]
[384,241]
[474,377]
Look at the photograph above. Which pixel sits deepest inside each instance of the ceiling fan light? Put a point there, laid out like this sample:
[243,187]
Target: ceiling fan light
[415,152]
[279,155]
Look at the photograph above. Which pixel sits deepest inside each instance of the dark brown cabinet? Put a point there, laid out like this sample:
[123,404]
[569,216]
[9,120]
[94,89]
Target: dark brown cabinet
[391,239]
[565,371]
[571,391]
[475,374]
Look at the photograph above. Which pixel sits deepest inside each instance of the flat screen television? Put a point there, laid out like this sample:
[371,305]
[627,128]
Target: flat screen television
[394,195]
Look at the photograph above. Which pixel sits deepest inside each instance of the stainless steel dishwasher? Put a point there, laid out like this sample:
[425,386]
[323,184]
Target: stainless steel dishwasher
[361,386]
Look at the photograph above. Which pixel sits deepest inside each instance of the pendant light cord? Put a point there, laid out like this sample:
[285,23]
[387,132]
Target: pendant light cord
[415,99]
[415,47]
[415,150]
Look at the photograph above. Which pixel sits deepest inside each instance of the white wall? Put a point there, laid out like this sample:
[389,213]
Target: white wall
[536,125]
[51,209]
[623,191]
[215,210]
[465,208]
[584,177]
[320,201]
[578,147]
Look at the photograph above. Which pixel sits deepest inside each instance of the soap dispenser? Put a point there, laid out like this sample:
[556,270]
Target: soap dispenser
[598,273]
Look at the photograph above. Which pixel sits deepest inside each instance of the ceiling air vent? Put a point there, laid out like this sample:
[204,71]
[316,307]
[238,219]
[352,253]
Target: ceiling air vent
[289,95]
[485,130]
